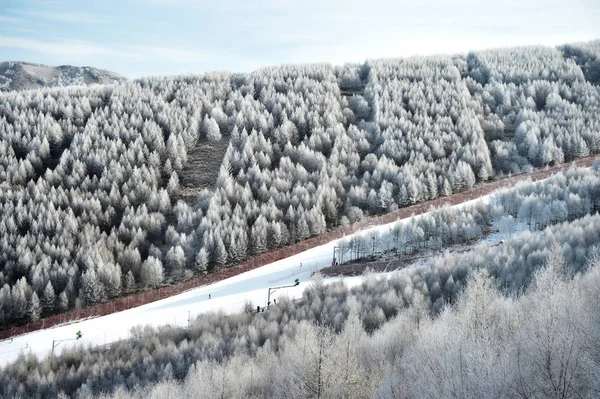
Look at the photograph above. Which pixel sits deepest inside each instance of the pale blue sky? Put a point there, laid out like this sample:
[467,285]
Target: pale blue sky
[164,37]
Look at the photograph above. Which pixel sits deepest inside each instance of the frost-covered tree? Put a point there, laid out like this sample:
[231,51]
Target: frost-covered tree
[152,272]
[304,148]
[35,308]
[129,282]
[175,260]
[92,290]
[211,129]
[49,298]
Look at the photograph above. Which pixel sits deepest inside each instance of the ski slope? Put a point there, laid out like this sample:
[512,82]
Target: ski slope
[228,296]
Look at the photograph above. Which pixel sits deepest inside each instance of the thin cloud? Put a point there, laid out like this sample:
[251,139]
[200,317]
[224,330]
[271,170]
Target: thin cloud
[9,19]
[176,2]
[192,58]
[44,2]
[180,55]
[67,48]
[87,50]
[74,17]
[19,29]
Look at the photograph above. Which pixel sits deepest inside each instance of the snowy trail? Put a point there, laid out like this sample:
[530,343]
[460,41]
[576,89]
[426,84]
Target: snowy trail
[228,295]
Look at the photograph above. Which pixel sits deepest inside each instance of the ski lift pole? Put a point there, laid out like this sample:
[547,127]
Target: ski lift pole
[273,289]
[57,342]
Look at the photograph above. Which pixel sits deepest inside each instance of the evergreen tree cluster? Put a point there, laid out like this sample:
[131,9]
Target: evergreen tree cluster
[429,140]
[86,185]
[587,56]
[90,193]
[559,198]
[372,337]
[536,106]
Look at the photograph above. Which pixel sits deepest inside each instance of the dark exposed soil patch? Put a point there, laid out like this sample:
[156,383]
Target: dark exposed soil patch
[358,269]
[202,168]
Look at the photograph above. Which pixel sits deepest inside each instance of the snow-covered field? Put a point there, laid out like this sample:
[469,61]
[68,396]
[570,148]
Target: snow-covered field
[228,295]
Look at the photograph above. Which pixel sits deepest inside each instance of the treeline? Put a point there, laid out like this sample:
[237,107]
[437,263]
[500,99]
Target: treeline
[89,177]
[557,199]
[541,344]
[160,354]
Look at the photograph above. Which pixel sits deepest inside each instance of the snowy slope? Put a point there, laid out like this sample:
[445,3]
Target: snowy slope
[228,296]
[24,76]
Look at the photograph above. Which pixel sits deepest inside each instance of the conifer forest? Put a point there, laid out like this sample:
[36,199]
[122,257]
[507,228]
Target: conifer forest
[114,189]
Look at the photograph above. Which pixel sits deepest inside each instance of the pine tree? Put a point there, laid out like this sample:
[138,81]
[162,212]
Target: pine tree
[386,195]
[432,187]
[201,261]
[49,299]
[302,230]
[373,201]
[483,174]
[4,302]
[211,129]
[220,251]
[35,308]
[446,188]
[579,148]
[469,177]
[238,244]
[175,261]
[258,235]
[152,272]
[274,234]
[19,298]
[173,184]
[92,290]
[129,282]
[403,199]
[110,278]
[413,192]
[63,301]
[316,221]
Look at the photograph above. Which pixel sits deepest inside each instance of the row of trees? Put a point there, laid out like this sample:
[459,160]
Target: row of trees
[560,198]
[375,337]
[541,344]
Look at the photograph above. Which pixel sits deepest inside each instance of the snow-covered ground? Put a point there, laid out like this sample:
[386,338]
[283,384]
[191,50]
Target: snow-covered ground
[228,295]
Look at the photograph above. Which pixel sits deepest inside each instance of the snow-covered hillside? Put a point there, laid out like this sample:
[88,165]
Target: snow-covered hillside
[148,182]
[24,76]
[232,294]
[229,296]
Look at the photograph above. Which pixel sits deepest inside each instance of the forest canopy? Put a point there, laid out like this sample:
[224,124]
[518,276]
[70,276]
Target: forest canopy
[92,204]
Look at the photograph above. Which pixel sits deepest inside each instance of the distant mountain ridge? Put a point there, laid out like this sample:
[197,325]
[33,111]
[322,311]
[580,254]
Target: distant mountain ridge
[16,75]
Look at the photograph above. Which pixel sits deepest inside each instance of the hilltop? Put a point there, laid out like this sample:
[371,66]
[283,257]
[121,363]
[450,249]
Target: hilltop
[16,75]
